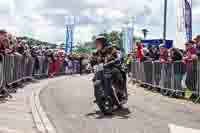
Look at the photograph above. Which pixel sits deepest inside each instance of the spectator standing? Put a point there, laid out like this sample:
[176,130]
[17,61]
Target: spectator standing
[176,59]
[148,67]
[191,54]
[57,64]
[80,64]
[70,65]
[45,66]
[197,42]
[129,60]
[36,64]
[165,81]
[62,66]
[66,64]
[176,55]
[2,38]
[154,53]
[164,54]
[4,43]
[139,53]
[52,66]
[20,47]
[190,60]
[140,57]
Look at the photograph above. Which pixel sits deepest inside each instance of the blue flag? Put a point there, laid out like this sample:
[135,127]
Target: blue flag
[69,39]
[128,39]
[188,19]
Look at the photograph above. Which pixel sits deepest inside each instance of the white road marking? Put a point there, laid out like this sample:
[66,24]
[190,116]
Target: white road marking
[179,129]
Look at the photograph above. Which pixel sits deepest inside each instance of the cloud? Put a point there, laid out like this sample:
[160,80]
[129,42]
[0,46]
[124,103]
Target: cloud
[54,11]
[45,19]
[195,3]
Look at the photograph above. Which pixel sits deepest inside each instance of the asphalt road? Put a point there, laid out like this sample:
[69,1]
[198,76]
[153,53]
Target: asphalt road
[69,106]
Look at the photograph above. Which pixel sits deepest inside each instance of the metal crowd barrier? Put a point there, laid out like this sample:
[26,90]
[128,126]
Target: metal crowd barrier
[1,70]
[15,68]
[175,77]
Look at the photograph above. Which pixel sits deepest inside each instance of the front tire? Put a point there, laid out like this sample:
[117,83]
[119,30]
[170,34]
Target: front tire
[106,105]
[104,102]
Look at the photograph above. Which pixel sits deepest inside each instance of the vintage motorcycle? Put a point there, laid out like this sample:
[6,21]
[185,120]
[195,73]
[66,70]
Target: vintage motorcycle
[108,95]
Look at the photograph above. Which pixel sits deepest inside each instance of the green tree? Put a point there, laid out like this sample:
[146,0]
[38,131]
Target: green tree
[84,48]
[136,38]
[113,37]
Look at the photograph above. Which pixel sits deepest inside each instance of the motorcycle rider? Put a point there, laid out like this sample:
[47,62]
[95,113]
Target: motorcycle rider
[106,53]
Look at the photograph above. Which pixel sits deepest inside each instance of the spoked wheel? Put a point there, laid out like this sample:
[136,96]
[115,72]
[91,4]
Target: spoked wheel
[116,92]
[118,96]
[106,106]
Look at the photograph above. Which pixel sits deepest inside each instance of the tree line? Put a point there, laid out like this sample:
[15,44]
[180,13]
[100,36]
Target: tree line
[113,37]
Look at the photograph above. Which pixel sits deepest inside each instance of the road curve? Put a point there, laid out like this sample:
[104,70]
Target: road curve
[68,104]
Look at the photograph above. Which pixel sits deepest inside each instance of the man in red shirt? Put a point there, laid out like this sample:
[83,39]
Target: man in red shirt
[140,53]
[164,54]
[191,52]
[190,61]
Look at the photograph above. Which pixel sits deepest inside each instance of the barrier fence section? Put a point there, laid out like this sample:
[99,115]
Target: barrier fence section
[1,70]
[176,77]
[16,68]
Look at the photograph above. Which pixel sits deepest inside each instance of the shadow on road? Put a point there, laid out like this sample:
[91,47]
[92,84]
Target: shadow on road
[122,113]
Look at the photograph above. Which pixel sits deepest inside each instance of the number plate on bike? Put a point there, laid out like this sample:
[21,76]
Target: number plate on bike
[98,68]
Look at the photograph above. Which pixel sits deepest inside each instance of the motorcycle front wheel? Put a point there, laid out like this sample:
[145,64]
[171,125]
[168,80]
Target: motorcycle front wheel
[106,105]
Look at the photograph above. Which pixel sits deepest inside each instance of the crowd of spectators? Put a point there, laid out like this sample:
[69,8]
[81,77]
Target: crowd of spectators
[46,61]
[167,55]
[185,61]
[164,54]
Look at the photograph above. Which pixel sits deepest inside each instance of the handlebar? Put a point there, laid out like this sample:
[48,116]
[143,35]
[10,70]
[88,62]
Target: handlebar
[111,62]
[107,64]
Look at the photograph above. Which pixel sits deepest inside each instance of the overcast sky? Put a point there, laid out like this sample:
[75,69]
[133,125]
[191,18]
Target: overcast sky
[45,19]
